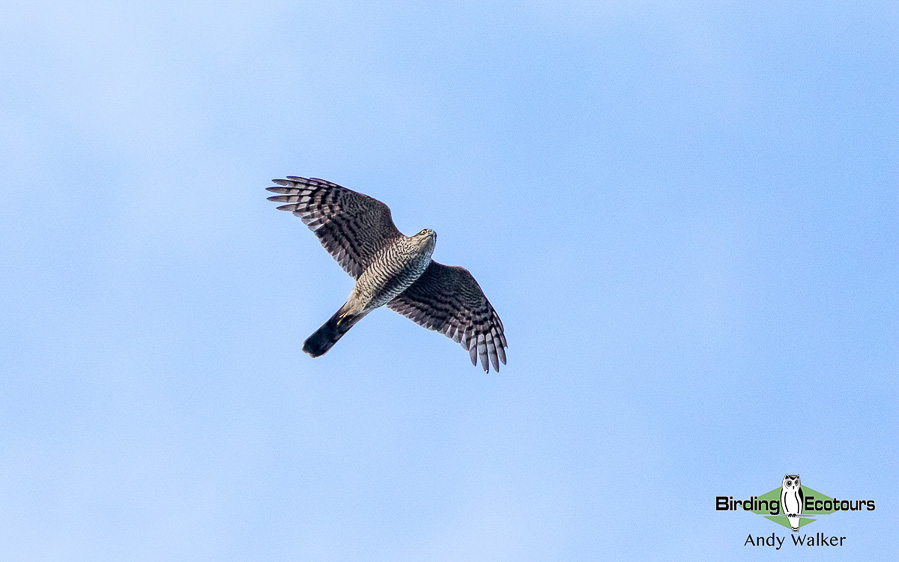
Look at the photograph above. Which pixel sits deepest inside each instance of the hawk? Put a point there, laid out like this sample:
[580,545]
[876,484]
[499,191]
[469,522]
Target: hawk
[390,269]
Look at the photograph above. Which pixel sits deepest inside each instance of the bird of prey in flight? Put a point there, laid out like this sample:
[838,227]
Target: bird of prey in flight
[390,269]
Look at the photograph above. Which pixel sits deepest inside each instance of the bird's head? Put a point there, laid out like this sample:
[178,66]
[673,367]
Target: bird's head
[427,237]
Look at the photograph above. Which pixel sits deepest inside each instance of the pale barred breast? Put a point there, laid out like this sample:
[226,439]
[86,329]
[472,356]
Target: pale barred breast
[393,269]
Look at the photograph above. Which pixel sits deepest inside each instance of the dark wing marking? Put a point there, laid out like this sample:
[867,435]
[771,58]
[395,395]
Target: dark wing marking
[447,299]
[350,225]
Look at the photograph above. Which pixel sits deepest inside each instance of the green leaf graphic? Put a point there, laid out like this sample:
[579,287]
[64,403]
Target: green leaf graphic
[782,520]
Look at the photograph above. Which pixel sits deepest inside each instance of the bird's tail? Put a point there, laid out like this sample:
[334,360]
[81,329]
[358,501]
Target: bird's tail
[325,337]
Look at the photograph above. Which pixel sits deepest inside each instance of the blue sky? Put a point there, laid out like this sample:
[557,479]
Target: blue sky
[686,216]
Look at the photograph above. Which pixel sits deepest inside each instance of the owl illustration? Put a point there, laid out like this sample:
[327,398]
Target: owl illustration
[791,500]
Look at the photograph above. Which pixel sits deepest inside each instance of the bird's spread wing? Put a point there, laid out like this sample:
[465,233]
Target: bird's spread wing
[448,299]
[350,225]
